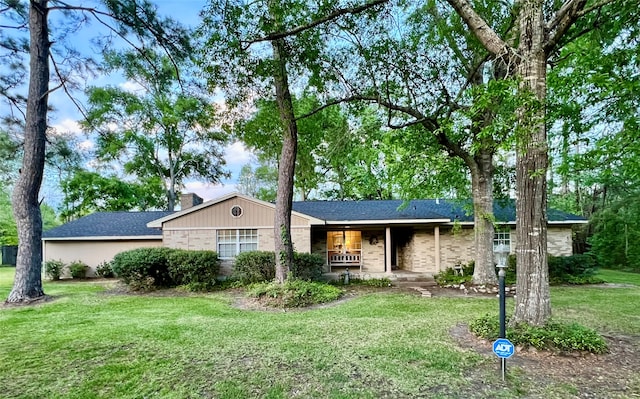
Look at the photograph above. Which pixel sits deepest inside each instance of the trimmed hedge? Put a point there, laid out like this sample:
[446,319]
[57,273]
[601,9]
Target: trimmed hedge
[294,293]
[574,269]
[308,267]
[149,268]
[78,269]
[254,267]
[554,335]
[196,270]
[104,270]
[143,268]
[260,266]
[53,269]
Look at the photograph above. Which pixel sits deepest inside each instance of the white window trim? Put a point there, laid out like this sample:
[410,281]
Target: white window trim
[237,242]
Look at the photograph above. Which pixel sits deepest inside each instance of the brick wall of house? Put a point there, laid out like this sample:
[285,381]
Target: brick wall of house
[560,241]
[456,247]
[373,254]
[265,239]
[204,239]
[301,238]
[418,255]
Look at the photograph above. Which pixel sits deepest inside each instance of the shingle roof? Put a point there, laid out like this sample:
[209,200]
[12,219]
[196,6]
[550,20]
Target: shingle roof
[109,224]
[134,224]
[462,211]
[370,210]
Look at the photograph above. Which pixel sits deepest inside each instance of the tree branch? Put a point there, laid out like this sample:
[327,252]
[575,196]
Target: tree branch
[157,34]
[562,21]
[64,86]
[568,14]
[337,13]
[429,123]
[483,32]
[594,7]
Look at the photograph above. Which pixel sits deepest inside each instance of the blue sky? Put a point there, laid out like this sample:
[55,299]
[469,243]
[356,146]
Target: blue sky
[65,118]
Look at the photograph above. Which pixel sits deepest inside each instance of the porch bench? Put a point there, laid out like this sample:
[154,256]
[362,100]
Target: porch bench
[345,260]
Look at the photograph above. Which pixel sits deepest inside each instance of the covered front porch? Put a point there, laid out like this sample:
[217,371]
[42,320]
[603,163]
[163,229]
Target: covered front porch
[376,252]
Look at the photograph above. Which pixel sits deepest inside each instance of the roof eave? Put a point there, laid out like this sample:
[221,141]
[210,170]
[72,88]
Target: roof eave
[103,238]
[159,222]
[565,222]
[387,221]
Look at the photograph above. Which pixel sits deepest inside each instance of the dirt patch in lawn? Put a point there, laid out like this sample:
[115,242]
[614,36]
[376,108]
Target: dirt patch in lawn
[579,375]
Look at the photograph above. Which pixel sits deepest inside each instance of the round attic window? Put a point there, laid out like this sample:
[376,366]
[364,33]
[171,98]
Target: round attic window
[236,211]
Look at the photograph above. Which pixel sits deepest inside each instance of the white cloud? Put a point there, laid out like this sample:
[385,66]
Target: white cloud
[131,87]
[237,154]
[67,126]
[86,145]
[209,191]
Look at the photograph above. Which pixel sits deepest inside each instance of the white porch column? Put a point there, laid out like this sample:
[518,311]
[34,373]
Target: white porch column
[387,249]
[436,233]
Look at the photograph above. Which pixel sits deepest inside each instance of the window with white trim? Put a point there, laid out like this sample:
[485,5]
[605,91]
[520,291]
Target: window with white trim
[502,236]
[234,241]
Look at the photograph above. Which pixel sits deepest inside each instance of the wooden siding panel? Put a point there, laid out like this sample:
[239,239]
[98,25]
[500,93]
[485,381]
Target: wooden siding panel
[219,216]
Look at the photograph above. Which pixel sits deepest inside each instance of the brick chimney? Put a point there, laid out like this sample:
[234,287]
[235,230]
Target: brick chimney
[189,200]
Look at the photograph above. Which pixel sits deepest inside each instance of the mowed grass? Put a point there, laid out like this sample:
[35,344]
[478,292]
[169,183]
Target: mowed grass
[91,344]
[610,309]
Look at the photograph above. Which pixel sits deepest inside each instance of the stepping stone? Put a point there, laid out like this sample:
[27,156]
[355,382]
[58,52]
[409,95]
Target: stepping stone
[423,291]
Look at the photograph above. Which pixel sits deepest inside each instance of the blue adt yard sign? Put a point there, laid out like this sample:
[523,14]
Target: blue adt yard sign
[503,348]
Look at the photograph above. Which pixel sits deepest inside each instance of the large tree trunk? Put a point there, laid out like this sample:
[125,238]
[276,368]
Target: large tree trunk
[482,188]
[286,167]
[27,285]
[533,304]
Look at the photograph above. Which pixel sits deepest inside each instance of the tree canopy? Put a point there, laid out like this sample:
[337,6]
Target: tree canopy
[162,129]
[86,192]
[29,37]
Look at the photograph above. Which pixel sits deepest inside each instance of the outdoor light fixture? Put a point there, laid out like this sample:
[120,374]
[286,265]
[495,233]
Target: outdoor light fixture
[501,254]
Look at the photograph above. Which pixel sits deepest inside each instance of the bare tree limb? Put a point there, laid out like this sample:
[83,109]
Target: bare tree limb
[18,27]
[562,21]
[594,7]
[487,36]
[97,13]
[568,14]
[337,13]
[64,86]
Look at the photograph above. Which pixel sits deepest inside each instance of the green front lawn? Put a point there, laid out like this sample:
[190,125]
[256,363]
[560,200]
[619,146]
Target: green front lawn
[91,344]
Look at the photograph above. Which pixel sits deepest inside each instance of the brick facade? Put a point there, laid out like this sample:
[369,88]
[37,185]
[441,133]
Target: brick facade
[418,255]
[456,246]
[560,241]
